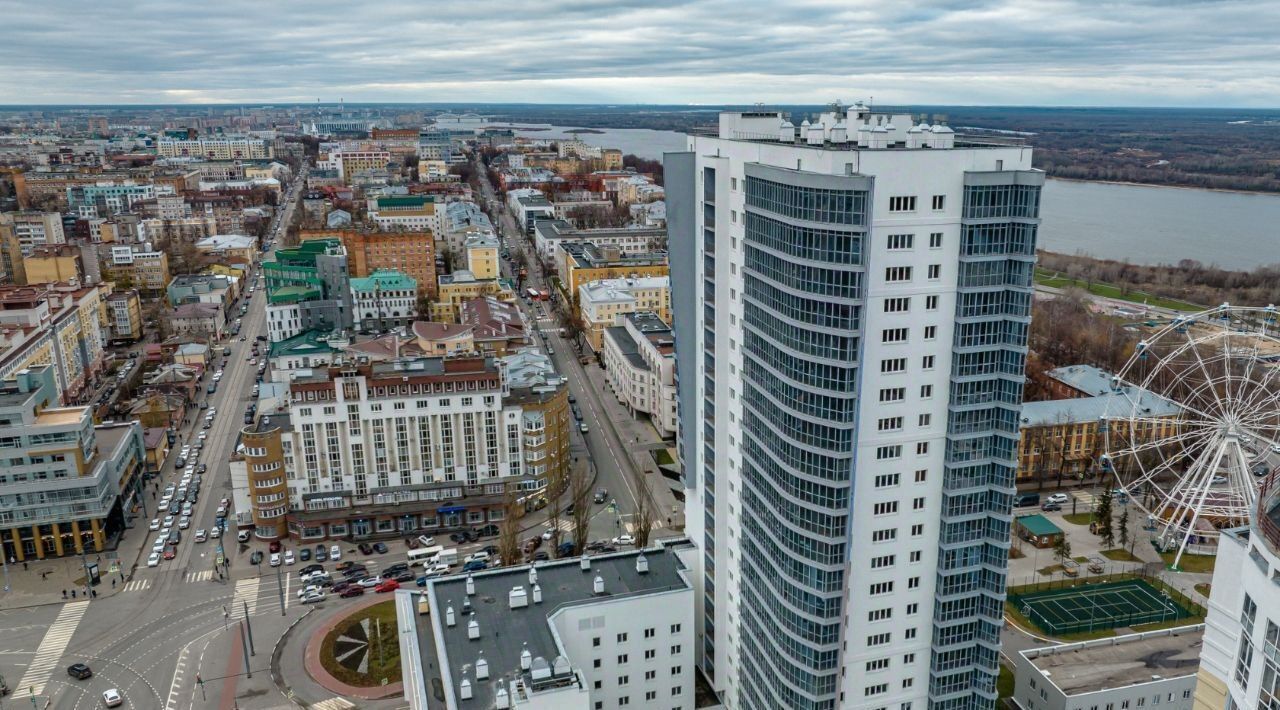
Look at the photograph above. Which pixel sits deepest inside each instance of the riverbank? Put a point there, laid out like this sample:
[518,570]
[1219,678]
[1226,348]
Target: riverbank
[1055,279]
[1129,183]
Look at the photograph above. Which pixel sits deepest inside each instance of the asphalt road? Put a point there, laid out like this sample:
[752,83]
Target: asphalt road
[171,623]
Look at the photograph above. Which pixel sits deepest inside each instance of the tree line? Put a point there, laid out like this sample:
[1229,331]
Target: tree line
[1188,280]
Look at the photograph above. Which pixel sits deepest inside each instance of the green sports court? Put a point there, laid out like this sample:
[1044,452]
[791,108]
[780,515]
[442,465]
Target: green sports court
[1088,607]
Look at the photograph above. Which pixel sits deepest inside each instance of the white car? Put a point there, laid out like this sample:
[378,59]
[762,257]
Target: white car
[184,522]
[1218,480]
[288,557]
[313,597]
[168,521]
[548,533]
[155,524]
[370,582]
[1275,448]
[153,560]
[309,589]
[215,533]
[112,698]
[335,554]
[203,435]
[1058,498]
[436,570]
[202,535]
[426,540]
[624,540]
[480,556]
[275,559]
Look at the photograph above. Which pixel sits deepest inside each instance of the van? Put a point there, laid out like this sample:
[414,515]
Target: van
[1026,500]
[445,557]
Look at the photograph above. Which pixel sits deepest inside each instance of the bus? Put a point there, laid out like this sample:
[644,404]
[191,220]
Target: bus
[422,554]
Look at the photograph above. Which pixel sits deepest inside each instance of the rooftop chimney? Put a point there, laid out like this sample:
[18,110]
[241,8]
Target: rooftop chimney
[537,594]
[464,690]
[482,668]
[533,576]
[585,564]
[501,699]
[471,585]
[448,616]
[473,629]
[526,658]
[642,565]
[598,587]
[517,598]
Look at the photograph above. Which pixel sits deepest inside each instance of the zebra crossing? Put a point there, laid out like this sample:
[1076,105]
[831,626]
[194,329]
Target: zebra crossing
[332,704]
[201,576]
[137,585]
[246,593]
[50,650]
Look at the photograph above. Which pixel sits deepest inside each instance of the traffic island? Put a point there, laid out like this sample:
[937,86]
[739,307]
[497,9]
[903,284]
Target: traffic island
[355,652]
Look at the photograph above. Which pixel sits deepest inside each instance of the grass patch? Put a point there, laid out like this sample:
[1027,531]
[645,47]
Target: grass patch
[1107,290]
[1090,635]
[1050,570]
[663,457]
[1078,518]
[1190,563]
[382,653]
[1203,589]
[1004,684]
[1082,559]
[1120,554]
[1170,624]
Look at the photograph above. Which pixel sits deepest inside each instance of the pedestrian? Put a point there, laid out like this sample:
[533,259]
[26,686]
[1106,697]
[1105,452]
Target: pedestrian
[94,592]
[113,584]
[64,594]
[73,594]
[24,564]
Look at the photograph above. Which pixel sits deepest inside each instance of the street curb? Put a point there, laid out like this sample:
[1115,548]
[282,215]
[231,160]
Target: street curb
[276,677]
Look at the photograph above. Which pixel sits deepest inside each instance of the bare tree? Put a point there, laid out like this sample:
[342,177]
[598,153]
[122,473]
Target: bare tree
[555,486]
[579,496]
[509,530]
[644,515]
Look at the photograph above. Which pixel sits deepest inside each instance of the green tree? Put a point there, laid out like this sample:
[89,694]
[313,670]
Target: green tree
[1102,515]
[1124,527]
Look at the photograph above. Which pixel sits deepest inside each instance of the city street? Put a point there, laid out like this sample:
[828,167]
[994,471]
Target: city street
[151,635]
[617,442]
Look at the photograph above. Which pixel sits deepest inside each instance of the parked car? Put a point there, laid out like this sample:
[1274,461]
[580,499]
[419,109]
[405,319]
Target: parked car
[288,557]
[474,566]
[242,536]
[274,546]
[335,554]
[370,581]
[624,540]
[275,559]
[565,549]
[426,540]
[256,557]
[380,548]
[365,548]
[388,585]
[309,569]
[354,590]
[321,553]
[304,555]
[313,598]
[490,530]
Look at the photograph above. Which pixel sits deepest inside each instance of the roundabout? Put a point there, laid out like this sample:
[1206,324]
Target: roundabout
[353,651]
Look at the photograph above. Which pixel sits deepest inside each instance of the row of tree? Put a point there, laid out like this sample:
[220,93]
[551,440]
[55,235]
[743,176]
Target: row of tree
[1188,279]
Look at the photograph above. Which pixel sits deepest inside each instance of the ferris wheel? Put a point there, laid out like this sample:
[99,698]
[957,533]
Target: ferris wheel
[1193,424]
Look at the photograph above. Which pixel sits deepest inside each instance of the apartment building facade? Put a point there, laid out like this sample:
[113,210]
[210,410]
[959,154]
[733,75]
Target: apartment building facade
[849,391]
[412,253]
[228,148]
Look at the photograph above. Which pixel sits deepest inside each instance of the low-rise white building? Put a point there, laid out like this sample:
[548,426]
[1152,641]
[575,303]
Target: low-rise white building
[639,361]
[1155,670]
[548,235]
[383,300]
[607,631]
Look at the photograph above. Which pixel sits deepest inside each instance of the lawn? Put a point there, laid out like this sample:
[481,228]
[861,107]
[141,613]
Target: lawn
[1106,290]
[1050,570]
[663,457]
[1004,684]
[1203,589]
[1120,555]
[379,649]
[1190,563]
[1082,559]
[1078,518]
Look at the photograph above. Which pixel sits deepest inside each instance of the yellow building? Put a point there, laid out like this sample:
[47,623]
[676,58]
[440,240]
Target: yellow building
[1062,439]
[225,270]
[147,271]
[52,263]
[601,304]
[611,159]
[482,257]
[583,262]
[124,316]
[461,286]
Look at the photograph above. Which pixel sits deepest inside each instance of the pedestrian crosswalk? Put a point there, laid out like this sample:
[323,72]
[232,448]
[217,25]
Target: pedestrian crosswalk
[201,576]
[333,704]
[50,650]
[246,594]
[137,585]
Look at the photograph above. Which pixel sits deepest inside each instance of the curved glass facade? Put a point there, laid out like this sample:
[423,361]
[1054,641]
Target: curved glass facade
[803,297]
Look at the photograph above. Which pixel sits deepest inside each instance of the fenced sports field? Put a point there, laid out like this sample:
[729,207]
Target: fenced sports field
[1068,610]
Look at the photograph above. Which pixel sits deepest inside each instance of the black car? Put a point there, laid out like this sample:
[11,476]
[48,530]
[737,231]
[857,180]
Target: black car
[256,557]
[175,507]
[202,468]
[392,570]
[490,530]
[355,572]
[365,548]
[310,568]
[380,548]
[304,555]
[540,556]
[405,576]
[79,671]
[491,550]
[322,553]
[1048,507]
[458,537]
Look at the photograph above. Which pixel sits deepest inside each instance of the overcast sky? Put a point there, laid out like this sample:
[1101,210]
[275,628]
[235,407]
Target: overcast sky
[1058,52]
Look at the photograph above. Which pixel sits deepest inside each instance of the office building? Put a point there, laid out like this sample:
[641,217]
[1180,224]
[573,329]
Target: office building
[601,304]
[412,253]
[850,353]
[384,300]
[67,486]
[307,287]
[607,631]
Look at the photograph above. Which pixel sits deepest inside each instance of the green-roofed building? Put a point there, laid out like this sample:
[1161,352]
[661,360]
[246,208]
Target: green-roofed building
[308,288]
[384,300]
[1037,530]
[310,348]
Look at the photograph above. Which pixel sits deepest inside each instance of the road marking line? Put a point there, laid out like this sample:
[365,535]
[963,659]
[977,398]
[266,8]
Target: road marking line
[50,650]
[202,576]
[288,584]
[333,704]
[137,585]
[246,593]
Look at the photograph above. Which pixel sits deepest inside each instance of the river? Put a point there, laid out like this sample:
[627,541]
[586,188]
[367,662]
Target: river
[1143,224]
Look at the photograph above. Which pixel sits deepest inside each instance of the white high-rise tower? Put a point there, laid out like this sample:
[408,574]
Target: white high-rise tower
[852,297]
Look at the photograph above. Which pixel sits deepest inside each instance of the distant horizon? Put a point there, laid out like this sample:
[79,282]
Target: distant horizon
[622,105]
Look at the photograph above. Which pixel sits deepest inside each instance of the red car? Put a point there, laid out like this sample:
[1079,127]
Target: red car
[388,585]
[274,547]
[170,552]
[352,591]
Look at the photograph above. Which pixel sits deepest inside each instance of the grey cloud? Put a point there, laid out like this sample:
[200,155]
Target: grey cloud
[943,51]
